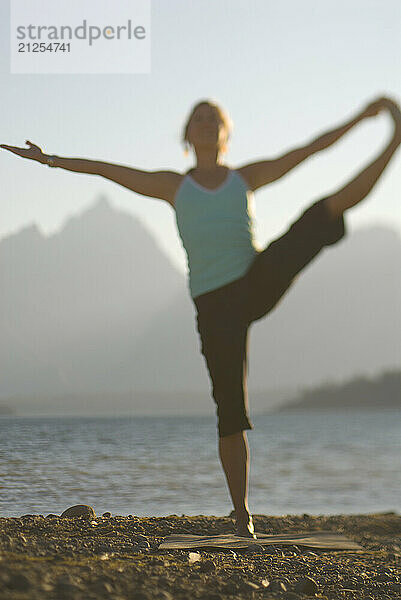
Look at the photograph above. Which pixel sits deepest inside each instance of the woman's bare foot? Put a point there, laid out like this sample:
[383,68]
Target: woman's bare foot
[244,527]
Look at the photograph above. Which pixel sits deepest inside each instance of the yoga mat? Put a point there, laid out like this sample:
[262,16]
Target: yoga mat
[311,539]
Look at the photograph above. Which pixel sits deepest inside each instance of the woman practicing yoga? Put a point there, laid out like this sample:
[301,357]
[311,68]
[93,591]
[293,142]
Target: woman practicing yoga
[231,282]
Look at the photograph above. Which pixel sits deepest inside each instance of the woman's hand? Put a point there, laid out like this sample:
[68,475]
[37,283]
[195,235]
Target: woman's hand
[395,111]
[377,106]
[33,152]
[381,104]
[393,107]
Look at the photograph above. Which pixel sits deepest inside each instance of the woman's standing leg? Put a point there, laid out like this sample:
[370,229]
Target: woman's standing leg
[234,447]
[224,344]
[234,456]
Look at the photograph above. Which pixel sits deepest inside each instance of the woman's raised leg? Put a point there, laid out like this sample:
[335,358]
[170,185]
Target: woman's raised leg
[275,269]
[357,189]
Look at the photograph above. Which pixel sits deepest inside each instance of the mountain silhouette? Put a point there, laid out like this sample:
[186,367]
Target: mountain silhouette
[74,303]
[97,309]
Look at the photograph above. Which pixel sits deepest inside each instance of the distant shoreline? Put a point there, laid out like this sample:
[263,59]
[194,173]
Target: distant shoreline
[364,393]
[7,411]
[295,409]
[358,393]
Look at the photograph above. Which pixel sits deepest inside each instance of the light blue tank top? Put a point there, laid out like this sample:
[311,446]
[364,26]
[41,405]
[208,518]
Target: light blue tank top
[216,229]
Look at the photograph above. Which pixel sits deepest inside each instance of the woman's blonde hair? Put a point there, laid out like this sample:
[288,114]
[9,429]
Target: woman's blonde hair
[223,116]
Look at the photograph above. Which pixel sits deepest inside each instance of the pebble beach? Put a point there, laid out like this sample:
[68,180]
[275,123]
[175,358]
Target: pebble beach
[118,558]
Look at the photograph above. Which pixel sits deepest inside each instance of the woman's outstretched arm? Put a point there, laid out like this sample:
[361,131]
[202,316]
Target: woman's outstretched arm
[359,187]
[156,184]
[263,172]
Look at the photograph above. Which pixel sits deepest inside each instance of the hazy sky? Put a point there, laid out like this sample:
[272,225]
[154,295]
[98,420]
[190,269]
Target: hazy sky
[285,71]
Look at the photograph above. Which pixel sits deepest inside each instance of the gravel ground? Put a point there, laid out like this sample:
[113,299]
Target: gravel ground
[117,557]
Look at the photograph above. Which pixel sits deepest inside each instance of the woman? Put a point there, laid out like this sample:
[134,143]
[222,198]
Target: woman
[231,283]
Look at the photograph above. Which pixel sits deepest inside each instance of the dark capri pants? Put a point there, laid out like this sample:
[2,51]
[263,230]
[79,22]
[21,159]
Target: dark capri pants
[224,314]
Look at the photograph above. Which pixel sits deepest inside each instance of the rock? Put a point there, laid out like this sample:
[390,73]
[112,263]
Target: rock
[207,566]
[144,545]
[277,586]
[106,514]
[254,548]
[66,590]
[79,510]
[103,587]
[141,547]
[230,588]
[140,539]
[194,557]
[140,595]
[307,586]
[18,581]
[163,595]
[64,579]
[249,586]
[274,550]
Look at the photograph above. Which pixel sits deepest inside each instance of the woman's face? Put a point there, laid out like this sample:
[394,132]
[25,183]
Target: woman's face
[206,129]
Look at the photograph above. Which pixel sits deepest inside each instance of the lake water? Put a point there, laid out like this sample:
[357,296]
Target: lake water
[313,462]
